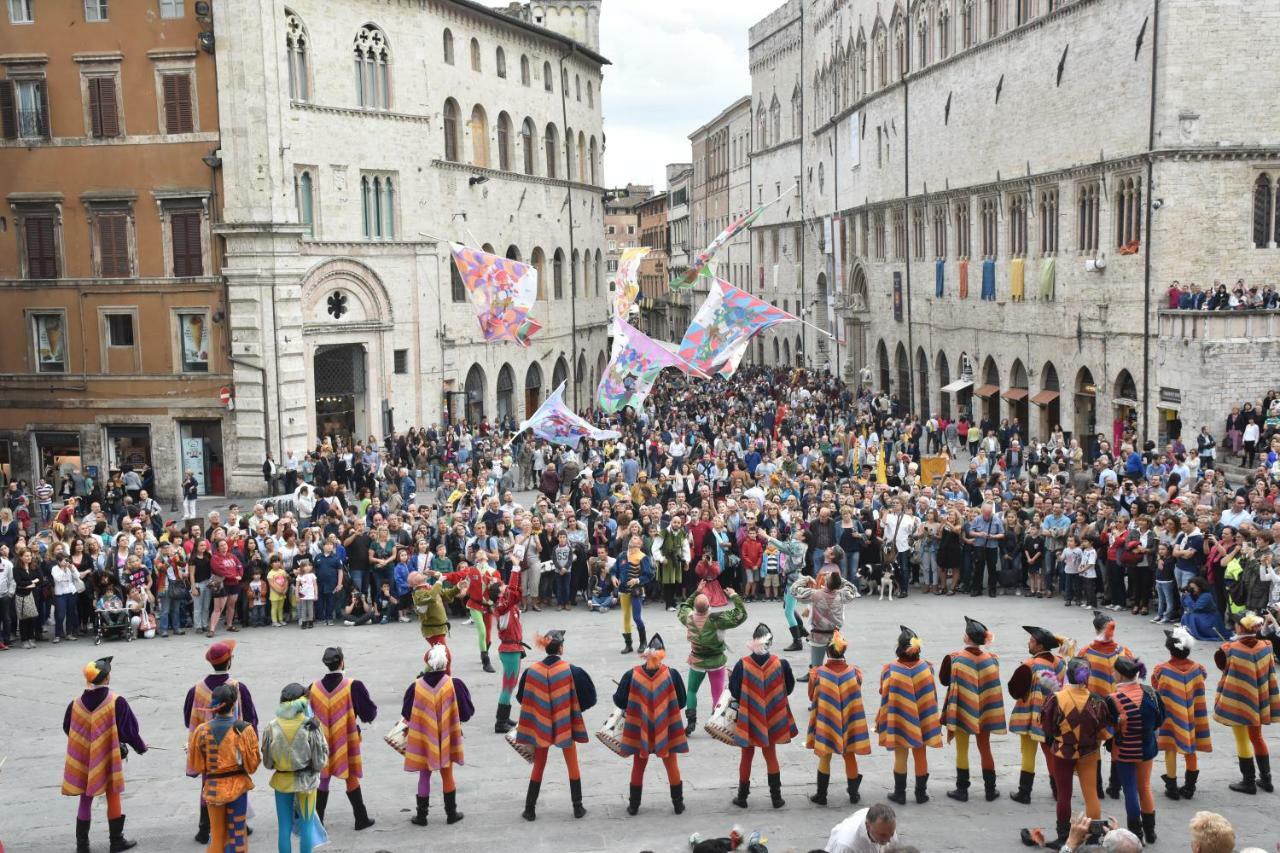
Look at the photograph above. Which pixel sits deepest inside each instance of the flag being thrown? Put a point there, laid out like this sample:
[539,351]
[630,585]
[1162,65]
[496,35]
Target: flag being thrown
[556,423]
[626,285]
[634,368]
[502,291]
[723,327]
[701,262]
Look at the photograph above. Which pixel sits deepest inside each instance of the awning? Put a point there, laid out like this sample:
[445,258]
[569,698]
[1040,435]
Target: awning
[986,390]
[1013,395]
[958,385]
[1124,401]
[1044,398]
[1168,407]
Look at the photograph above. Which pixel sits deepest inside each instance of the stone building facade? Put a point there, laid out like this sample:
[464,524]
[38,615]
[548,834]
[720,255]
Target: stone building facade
[345,183]
[679,238]
[655,272]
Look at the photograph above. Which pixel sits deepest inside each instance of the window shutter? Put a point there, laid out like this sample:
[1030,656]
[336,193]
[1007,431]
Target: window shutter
[42,90]
[42,259]
[113,244]
[187,260]
[171,103]
[107,118]
[95,107]
[8,109]
[178,116]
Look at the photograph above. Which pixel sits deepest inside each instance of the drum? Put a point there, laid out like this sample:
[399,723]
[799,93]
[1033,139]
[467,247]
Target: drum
[723,725]
[610,734]
[522,749]
[398,737]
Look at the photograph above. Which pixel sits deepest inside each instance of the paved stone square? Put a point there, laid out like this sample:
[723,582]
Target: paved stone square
[161,802]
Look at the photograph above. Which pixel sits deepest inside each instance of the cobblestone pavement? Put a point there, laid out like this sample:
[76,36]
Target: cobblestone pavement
[161,802]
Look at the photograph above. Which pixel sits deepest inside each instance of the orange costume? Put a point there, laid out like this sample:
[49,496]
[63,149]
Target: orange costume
[224,751]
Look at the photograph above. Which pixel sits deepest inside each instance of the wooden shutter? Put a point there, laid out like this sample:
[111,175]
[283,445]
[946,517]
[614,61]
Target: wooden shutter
[42,256]
[113,245]
[42,91]
[187,258]
[178,116]
[8,109]
[102,107]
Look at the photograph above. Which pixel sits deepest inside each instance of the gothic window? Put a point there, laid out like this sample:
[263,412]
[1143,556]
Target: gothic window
[504,142]
[500,62]
[1025,10]
[297,44]
[993,18]
[475,54]
[940,231]
[377,199]
[479,137]
[527,136]
[1048,213]
[922,41]
[451,130]
[1088,207]
[775,119]
[304,191]
[546,76]
[944,35]
[1263,212]
[1128,210]
[990,210]
[968,24]
[1017,225]
[899,235]
[524,70]
[796,117]
[373,72]
[917,233]
[962,229]
[447,40]
[879,229]
[551,144]
[900,51]
[762,126]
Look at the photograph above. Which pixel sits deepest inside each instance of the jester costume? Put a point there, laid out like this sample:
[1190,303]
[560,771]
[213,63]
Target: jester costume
[1248,699]
[1102,655]
[506,614]
[908,719]
[651,696]
[294,746]
[761,683]
[1029,691]
[705,631]
[1077,723]
[435,706]
[97,724]
[340,704]
[1185,730]
[1139,712]
[837,719]
[552,694]
[224,751]
[974,706]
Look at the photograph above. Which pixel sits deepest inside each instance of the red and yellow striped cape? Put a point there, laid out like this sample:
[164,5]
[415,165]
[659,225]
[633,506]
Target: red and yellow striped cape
[336,715]
[93,766]
[435,730]
[908,715]
[975,698]
[1247,692]
[838,720]
[1180,683]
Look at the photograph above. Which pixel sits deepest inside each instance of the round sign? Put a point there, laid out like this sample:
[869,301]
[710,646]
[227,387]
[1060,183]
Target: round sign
[224,394]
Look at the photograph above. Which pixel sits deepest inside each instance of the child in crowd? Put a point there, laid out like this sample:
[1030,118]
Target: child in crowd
[390,603]
[1089,574]
[1166,592]
[1033,560]
[752,555]
[771,568]
[1267,572]
[441,562]
[308,592]
[1070,557]
[400,576]
[358,611]
[257,600]
[278,581]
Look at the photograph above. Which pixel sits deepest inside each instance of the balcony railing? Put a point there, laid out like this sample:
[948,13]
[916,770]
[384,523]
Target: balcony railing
[1219,325]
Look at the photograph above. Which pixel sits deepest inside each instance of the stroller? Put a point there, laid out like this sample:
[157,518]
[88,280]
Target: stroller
[114,623]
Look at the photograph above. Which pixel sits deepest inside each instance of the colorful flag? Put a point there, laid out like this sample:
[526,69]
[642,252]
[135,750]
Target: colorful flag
[634,368]
[503,292]
[699,268]
[556,423]
[626,284]
[721,330]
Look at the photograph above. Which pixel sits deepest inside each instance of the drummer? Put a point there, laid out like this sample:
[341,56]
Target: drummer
[651,696]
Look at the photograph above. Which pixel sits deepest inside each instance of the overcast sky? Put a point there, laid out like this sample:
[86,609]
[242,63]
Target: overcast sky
[676,65]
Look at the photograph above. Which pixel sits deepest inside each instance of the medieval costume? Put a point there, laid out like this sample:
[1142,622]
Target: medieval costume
[196,709]
[429,600]
[1102,655]
[974,706]
[98,724]
[671,552]
[837,720]
[791,565]
[1030,689]
[224,751]
[1077,723]
[294,746]
[435,706]
[705,631]
[1185,730]
[340,704]
[908,718]
[511,646]
[651,696]
[761,683]
[632,572]
[1247,700]
[474,581]
[1139,712]
[826,596]
[553,694]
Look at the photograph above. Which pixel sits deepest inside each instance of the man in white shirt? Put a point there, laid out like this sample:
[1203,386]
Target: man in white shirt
[1237,514]
[868,830]
[902,526]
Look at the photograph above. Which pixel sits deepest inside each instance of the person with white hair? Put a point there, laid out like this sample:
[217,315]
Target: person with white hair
[1180,681]
[434,708]
[869,830]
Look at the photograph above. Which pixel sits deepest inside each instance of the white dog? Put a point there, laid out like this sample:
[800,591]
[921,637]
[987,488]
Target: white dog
[886,582]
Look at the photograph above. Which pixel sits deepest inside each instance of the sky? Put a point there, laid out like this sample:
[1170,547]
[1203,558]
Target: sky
[676,65]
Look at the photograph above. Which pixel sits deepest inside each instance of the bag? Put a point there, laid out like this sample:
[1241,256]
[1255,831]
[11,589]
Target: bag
[79,582]
[889,547]
[216,584]
[178,591]
[27,607]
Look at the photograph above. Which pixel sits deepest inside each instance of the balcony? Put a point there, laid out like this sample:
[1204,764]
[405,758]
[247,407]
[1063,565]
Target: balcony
[1219,325]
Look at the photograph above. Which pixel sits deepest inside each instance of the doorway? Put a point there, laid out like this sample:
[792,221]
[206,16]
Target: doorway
[532,389]
[59,452]
[340,390]
[201,446]
[129,449]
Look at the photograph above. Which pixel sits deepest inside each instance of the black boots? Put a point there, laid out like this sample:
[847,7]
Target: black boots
[1264,773]
[202,829]
[775,790]
[824,781]
[356,797]
[633,802]
[851,786]
[1135,826]
[899,794]
[451,813]
[796,645]
[118,842]
[1149,827]
[484,662]
[805,678]
[1189,789]
[1064,829]
[922,785]
[322,801]
[989,785]
[627,649]
[1113,780]
[690,720]
[1025,782]
[644,638]
[744,788]
[531,801]
[1248,784]
[1171,787]
[502,723]
[420,815]
[961,793]
[575,793]
[82,836]
[677,797]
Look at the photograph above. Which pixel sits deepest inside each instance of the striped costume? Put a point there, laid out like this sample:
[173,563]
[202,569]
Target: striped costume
[1102,655]
[93,765]
[908,715]
[975,698]
[1180,683]
[336,715]
[1025,719]
[435,731]
[764,715]
[549,711]
[201,712]
[1247,693]
[653,722]
[837,721]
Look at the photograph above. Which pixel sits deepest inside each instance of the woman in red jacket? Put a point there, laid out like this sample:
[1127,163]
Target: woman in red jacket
[506,612]
[226,567]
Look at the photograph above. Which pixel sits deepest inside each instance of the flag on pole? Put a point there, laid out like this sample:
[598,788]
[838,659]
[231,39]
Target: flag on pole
[721,330]
[636,363]
[502,291]
[556,423]
[701,262]
[626,284]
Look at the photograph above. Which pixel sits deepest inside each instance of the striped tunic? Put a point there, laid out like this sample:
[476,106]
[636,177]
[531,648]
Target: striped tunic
[653,724]
[1139,713]
[1025,719]
[764,714]
[435,730]
[837,721]
[93,766]
[201,712]
[1180,683]
[1102,656]
[975,698]
[336,715]
[908,715]
[1247,692]
[549,712]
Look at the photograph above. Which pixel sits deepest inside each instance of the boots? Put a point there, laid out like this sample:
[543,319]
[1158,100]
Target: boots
[1149,827]
[989,785]
[627,649]
[1171,787]
[1264,773]
[1113,780]
[804,635]
[1189,789]
[851,786]
[484,662]
[322,800]
[1135,826]
[805,678]
[118,842]
[363,821]
[899,794]
[502,722]
[644,638]
[677,797]
[795,640]
[451,813]
[775,790]
[575,793]
[82,836]
[202,829]
[961,793]
[420,816]
[531,801]
[820,798]
[633,802]
[744,788]
[1064,829]
[1247,785]
[1025,782]
[922,785]
[690,720]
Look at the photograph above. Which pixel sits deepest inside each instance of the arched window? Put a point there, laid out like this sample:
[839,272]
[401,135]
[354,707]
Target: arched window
[564,81]
[475,393]
[506,392]
[475,54]
[573,276]
[546,76]
[377,198]
[304,192]
[775,119]
[599,271]
[882,61]
[882,363]
[796,117]
[944,34]
[551,143]
[922,40]
[297,43]
[591,94]
[762,127]
[451,130]
[1263,211]
[500,61]
[557,274]
[593,154]
[568,154]
[532,389]
[527,136]
[561,372]
[968,24]
[577,88]
[448,47]
[373,69]
[538,260]
[504,142]
[524,70]
[582,158]
[1128,210]
[479,137]
[993,18]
